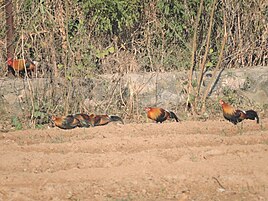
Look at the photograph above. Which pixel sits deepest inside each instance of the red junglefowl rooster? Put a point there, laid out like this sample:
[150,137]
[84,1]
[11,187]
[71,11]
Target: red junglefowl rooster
[160,114]
[66,122]
[100,120]
[19,65]
[235,116]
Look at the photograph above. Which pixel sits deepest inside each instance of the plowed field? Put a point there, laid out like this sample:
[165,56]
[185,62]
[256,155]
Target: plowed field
[190,160]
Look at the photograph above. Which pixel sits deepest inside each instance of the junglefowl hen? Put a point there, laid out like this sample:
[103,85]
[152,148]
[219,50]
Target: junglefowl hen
[66,122]
[100,120]
[160,114]
[235,116]
[19,65]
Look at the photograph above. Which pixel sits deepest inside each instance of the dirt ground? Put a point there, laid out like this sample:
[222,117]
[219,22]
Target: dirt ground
[190,160]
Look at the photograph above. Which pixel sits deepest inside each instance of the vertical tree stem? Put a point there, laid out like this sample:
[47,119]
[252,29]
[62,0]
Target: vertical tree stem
[10,29]
[190,76]
[213,78]
[206,51]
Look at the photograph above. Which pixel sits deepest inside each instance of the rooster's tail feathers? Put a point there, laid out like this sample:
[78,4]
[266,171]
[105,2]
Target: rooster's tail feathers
[251,114]
[116,118]
[173,116]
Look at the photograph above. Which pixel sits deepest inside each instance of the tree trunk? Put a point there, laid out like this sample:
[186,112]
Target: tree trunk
[10,29]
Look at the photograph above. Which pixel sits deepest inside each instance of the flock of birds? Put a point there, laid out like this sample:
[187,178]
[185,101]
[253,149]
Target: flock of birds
[154,113]
[22,66]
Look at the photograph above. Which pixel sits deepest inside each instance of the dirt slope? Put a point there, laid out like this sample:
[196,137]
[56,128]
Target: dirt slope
[211,160]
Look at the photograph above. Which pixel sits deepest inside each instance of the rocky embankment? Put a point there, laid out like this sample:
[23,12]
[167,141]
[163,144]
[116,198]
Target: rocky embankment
[165,89]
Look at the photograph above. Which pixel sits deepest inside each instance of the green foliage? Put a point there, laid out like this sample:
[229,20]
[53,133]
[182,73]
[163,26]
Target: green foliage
[158,33]
[100,54]
[112,16]
[16,123]
[73,27]
[212,58]
[176,20]
[40,115]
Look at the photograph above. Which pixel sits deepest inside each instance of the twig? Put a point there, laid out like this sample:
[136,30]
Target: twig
[218,182]
[121,93]
[113,92]
[209,87]
[29,83]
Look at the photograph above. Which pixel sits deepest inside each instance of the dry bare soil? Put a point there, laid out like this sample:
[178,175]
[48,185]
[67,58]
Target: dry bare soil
[190,160]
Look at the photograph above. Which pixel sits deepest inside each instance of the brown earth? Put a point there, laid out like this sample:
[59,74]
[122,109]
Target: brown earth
[190,160]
